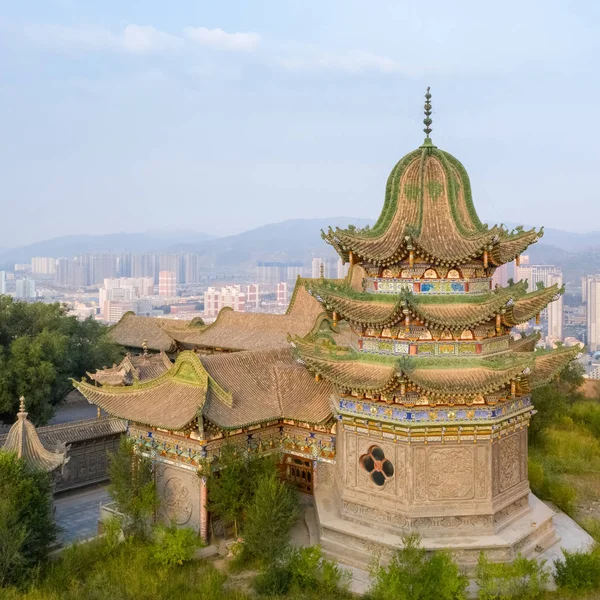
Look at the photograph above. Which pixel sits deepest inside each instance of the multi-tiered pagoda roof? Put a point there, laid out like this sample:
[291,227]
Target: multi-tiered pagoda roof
[427,325]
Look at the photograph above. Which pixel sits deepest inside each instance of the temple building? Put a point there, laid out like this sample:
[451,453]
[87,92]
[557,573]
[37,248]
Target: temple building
[397,396]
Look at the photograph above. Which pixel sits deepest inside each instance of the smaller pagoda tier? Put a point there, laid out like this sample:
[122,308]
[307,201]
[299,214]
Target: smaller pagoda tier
[418,319]
[23,440]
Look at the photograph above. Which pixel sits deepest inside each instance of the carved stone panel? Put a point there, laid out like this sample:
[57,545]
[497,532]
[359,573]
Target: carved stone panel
[179,496]
[481,471]
[325,475]
[420,474]
[509,451]
[351,461]
[400,472]
[450,473]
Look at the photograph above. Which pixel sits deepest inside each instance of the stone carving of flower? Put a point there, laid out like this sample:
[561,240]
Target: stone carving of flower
[377,465]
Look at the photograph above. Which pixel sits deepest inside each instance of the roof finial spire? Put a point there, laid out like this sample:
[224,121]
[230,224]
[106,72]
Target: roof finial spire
[427,120]
[22,406]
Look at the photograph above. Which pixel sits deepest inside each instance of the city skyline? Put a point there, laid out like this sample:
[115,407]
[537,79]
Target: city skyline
[153,108]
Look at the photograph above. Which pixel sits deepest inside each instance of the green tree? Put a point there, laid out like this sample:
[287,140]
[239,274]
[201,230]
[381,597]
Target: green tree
[41,347]
[269,519]
[231,482]
[27,528]
[412,575]
[132,487]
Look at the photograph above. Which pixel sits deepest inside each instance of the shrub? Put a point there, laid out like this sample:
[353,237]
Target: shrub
[173,546]
[412,575]
[551,487]
[270,518]
[132,487]
[304,570]
[523,578]
[27,528]
[579,571]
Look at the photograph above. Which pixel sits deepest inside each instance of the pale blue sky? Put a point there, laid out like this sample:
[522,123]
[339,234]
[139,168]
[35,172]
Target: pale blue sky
[222,116]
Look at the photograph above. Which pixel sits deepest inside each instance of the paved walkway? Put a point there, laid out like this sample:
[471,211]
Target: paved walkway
[77,513]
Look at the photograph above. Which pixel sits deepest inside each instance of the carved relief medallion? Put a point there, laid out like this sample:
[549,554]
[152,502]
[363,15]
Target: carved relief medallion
[177,501]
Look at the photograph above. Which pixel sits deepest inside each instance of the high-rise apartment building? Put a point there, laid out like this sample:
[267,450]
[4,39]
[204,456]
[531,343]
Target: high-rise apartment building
[253,295]
[593,312]
[2,282]
[502,274]
[544,274]
[215,300]
[555,310]
[282,293]
[43,265]
[167,284]
[25,289]
[342,269]
[316,268]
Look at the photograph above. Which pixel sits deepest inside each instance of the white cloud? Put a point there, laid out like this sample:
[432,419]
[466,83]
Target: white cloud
[136,39]
[353,62]
[221,40]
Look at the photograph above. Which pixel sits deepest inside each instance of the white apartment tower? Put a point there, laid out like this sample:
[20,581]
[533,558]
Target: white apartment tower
[555,310]
[593,312]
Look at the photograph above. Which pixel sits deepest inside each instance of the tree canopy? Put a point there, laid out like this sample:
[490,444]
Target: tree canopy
[27,528]
[41,347]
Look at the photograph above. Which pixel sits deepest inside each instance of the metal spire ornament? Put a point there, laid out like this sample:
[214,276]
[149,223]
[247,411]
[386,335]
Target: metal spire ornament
[427,120]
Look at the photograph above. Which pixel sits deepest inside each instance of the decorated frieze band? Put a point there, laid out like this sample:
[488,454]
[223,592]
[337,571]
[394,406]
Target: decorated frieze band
[426,271]
[382,285]
[386,346]
[281,438]
[437,433]
[390,413]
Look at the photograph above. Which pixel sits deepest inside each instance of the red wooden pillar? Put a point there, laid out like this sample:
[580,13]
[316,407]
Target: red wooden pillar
[203,511]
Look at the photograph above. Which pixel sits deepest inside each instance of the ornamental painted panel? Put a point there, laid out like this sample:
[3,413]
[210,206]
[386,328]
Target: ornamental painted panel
[420,474]
[351,462]
[450,473]
[509,450]
[453,274]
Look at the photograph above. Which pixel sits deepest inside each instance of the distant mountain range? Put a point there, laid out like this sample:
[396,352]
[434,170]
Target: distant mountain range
[292,240]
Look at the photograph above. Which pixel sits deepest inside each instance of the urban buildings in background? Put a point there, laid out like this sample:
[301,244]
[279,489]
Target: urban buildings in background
[180,286]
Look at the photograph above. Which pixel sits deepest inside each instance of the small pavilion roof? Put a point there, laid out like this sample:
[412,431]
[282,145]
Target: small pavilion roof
[133,368]
[231,390]
[23,439]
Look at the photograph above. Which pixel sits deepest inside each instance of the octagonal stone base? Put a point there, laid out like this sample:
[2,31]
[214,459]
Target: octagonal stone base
[356,544]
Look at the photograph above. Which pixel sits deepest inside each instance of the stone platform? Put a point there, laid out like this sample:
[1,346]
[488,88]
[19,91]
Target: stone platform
[357,545]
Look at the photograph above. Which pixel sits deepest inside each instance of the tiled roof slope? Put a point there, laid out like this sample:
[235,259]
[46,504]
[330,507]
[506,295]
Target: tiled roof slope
[158,333]
[428,207]
[265,385]
[231,390]
[259,331]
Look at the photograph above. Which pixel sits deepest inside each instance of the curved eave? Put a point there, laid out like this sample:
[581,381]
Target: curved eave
[366,250]
[454,316]
[527,307]
[548,366]
[525,344]
[145,406]
[512,246]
